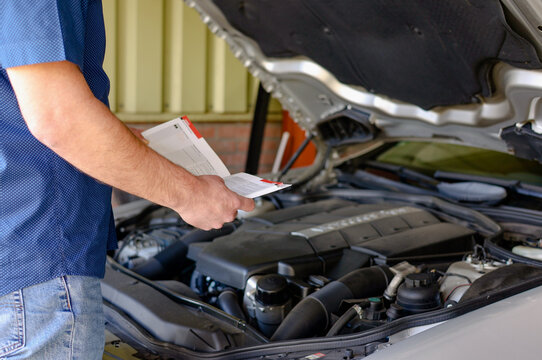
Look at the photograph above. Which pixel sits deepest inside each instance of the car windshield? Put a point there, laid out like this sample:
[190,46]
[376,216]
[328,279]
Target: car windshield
[431,157]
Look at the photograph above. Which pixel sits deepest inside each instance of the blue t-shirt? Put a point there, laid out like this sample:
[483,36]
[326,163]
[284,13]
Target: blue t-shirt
[54,220]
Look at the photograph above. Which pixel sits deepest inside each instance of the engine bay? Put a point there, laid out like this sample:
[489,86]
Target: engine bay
[335,263]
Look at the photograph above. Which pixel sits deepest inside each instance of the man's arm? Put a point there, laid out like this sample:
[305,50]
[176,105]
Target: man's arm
[62,113]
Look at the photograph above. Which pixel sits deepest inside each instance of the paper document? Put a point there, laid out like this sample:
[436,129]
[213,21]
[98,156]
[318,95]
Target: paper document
[251,186]
[180,142]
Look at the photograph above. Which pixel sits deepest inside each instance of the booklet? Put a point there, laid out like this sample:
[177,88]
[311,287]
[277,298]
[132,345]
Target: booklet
[180,142]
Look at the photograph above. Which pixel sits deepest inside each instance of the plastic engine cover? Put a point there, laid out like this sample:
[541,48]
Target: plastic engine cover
[329,237]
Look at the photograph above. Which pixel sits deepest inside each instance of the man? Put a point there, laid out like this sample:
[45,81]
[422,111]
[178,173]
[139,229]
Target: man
[56,136]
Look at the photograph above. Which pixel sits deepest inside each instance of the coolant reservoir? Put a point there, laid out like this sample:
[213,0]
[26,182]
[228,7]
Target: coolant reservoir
[461,274]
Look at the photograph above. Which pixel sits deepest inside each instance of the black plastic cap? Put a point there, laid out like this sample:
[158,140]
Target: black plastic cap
[272,290]
[419,293]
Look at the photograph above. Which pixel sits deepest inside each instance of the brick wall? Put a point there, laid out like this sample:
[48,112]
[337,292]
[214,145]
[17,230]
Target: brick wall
[230,141]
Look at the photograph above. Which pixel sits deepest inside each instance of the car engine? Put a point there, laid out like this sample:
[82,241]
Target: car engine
[325,266]
[285,256]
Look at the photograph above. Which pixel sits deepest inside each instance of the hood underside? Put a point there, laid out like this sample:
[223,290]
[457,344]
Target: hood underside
[430,54]
[455,71]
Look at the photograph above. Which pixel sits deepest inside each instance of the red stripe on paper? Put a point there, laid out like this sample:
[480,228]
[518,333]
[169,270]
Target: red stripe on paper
[271,182]
[192,127]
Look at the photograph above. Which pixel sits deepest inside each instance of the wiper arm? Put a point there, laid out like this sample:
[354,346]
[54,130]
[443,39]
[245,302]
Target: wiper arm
[365,180]
[514,185]
[420,179]
[405,173]
[473,191]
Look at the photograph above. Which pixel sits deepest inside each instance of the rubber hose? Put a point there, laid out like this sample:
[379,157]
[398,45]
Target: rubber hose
[172,259]
[166,262]
[312,314]
[199,235]
[228,301]
[342,321]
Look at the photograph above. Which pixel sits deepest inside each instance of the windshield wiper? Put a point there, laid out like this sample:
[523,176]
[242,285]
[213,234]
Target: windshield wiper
[514,185]
[405,174]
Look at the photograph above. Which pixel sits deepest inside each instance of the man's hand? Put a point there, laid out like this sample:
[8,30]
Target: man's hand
[63,114]
[212,204]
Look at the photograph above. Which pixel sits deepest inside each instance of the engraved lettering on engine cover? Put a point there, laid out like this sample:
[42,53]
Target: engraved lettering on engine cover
[359,219]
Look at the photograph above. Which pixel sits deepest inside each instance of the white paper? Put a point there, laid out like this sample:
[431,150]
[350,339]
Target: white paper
[251,186]
[178,141]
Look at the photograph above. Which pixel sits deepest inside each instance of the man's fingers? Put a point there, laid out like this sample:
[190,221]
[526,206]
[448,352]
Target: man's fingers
[246,204]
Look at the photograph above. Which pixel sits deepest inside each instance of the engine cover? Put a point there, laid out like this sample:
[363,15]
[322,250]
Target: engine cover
[331,238]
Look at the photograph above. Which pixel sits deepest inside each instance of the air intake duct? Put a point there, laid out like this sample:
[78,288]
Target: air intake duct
[313,313]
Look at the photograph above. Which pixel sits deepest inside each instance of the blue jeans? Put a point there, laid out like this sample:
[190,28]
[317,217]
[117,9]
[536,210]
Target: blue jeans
[58,319]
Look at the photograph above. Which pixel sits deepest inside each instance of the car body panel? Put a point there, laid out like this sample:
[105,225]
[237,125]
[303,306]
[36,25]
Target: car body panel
[502,330]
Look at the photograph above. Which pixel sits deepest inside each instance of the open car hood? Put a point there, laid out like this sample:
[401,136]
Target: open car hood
[361,71]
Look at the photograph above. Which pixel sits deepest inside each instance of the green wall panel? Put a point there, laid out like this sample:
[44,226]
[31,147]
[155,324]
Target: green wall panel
[163,61]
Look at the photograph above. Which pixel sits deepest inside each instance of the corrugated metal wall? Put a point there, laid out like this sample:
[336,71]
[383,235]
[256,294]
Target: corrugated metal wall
[163,61]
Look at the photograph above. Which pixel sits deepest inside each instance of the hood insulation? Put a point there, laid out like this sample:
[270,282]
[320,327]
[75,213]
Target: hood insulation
[428,53]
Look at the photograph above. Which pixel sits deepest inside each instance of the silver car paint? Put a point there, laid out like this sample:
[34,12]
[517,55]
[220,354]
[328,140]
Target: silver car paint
[508,329]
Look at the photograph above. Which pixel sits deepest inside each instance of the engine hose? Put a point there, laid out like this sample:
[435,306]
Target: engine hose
[342,321]
[172,259]
[199,235]
[166,262]
[229,303]
[312,314]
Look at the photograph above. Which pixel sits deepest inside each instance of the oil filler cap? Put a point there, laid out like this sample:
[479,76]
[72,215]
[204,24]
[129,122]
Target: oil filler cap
[272,290]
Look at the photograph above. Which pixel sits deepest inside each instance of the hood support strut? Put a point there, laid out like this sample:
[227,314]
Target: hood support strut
[257,131]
